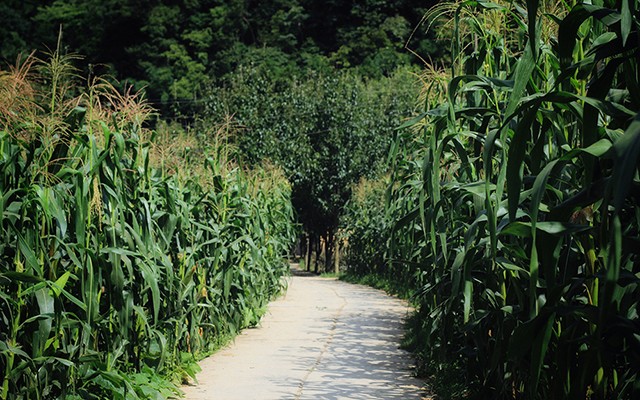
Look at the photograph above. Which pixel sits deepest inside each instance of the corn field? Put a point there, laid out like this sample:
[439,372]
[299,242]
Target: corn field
[114,270]
[512,205]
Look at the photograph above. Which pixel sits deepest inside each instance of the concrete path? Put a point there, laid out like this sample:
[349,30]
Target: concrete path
[324,339]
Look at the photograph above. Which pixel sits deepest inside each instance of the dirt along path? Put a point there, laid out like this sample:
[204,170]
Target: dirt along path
[324,339]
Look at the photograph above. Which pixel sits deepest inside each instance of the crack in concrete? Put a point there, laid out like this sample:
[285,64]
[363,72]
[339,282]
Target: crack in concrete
[325,348]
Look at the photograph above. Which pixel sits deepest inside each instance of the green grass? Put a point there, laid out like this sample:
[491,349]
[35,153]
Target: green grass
[331,274]
[391,286]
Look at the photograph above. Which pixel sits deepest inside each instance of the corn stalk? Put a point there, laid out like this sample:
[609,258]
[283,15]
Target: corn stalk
[114,275]
[512,204]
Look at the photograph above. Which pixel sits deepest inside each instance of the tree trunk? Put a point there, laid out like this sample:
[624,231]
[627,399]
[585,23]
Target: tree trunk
[318,250]
[328,254]
[336,257]
[309,249]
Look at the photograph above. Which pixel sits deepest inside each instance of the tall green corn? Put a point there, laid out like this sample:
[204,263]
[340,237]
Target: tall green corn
[115,275]
[515,201]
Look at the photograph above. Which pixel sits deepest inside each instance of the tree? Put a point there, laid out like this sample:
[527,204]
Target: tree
[326,132]
[176,48]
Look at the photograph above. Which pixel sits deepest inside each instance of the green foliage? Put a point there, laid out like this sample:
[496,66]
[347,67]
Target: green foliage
[514,206]
[326,132]
[115,275]
[366,229]
[174,50]
[14,30]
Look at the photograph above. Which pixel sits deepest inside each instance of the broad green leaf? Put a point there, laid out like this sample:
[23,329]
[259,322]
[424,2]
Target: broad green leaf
[22,277]
[517,151]
[567,32]
[30,256]
[524,69]
[59,284]
[46,306]
[627,151]
[602,40]
[539,350]
[626,20]
[523,229]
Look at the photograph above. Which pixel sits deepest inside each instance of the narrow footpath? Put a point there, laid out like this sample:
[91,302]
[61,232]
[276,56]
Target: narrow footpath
[325,339]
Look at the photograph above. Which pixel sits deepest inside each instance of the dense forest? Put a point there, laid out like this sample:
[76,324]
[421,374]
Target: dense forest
[159,158]
[177,49]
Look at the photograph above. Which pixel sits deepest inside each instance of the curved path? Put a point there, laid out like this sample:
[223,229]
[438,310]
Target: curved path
[324,339]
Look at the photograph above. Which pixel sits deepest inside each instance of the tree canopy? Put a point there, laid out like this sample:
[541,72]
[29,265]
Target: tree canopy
[326,132]
[175,48]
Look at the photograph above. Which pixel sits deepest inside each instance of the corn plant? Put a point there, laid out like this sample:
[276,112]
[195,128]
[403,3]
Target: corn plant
[115,275]
[514,196]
